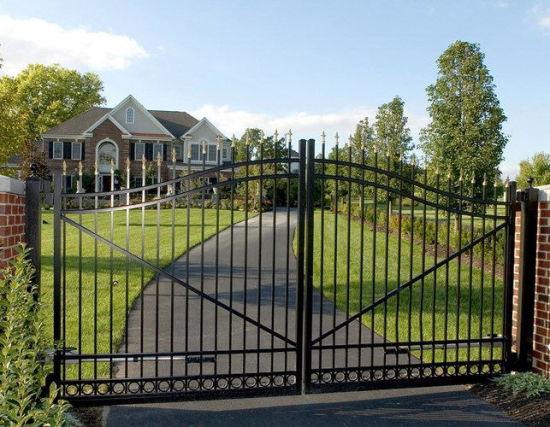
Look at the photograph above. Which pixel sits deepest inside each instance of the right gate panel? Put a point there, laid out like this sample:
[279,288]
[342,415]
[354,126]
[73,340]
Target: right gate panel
[411,273]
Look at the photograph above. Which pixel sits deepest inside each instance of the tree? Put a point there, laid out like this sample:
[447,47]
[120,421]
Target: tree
[11,123]
[41,97]
[537,167]
[391,132]
[465,133]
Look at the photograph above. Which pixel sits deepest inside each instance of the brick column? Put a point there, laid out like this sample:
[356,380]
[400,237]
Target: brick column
[12,217]
[541,335]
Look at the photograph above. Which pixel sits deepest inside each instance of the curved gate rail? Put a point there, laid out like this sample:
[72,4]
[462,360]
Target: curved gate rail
[400,277]
[420,268]
[138,321]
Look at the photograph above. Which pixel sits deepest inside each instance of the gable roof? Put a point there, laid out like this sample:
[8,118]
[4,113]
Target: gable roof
[176,122]
[201,122]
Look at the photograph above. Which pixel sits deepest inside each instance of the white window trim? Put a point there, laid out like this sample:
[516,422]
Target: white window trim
[53,150]
[142,145]
[208,147]
[155,145]
[133,115]
[198,152]
[98,146]
[80,150]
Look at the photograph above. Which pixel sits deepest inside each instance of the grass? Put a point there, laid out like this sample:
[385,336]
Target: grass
[104,269]
[417,313]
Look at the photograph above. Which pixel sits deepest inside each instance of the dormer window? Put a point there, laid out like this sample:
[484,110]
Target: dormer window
[130,115]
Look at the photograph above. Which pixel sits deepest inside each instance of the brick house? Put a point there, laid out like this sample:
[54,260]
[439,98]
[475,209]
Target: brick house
[130,131]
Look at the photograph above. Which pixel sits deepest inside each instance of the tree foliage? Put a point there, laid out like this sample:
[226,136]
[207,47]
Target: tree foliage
[39,98]
[537,167]
[465,132]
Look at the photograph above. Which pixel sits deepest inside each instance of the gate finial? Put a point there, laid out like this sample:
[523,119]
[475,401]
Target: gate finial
[323,138]
[336,138]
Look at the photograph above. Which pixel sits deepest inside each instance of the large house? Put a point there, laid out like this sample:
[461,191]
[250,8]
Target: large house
[104,136]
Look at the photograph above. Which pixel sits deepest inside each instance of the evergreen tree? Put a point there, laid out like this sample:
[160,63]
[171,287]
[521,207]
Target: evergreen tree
[465,132]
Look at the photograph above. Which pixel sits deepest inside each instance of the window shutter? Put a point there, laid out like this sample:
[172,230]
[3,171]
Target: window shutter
[67,150]
[82,151]
[50,149]
[164,152]
[149,151]
[132,150]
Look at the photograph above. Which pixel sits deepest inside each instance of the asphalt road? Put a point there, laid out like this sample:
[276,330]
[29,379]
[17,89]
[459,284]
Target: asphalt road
[168,318]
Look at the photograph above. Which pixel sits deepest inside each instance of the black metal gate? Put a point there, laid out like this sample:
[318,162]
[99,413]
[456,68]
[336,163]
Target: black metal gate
[247,284]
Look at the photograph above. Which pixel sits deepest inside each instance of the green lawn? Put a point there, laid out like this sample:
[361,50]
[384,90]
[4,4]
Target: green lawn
[417,307]
[129,275]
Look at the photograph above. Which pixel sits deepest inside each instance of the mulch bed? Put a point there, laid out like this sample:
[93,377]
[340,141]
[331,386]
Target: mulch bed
[89,417]
[531,411]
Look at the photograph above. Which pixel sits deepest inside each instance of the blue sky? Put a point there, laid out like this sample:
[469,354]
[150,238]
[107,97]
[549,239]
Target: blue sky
[309,65]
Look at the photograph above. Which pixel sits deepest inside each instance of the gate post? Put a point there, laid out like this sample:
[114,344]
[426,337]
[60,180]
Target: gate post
[528,199]
[57,188]
[510,198]
[300,343]
[33,224]
[310,165]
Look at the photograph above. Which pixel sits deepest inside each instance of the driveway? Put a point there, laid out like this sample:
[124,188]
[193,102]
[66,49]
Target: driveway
[173,319]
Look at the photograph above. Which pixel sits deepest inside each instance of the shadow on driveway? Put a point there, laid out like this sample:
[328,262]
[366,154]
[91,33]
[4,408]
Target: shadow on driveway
[435,406]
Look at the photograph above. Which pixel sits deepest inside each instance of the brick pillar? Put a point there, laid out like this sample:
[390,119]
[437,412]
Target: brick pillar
[541,335]
[12,217]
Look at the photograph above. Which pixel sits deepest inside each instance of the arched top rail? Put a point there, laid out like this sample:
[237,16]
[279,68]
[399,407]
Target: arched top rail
[173,197]
[415,183]
[194,175]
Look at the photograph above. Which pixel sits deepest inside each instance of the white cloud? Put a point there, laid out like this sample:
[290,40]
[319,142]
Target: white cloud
[509,171]
[303,124]
[502,4]
[541,16]
[34,40]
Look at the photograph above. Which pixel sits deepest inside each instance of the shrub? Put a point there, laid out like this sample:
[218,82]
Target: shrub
[525,383]
[22,346]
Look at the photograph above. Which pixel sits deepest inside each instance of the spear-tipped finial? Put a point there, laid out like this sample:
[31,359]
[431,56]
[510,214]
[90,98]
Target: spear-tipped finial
[323,138]
[336,138]
[484,183]
[159,158]
[203,147]
[507,182]
[189,151]
[128,163]
[233,141]
[530,182]
[413,160]
[261,137]
[437,170]
[247,138]
[276,136]
[80,168]
[173,154]
[112,166]
[350,140]
[461,176]
[143,161]
[449,174]
[219,142]
[96,168]
[375,148]
[64,167]
[289,136]
[473,181]
[400,155]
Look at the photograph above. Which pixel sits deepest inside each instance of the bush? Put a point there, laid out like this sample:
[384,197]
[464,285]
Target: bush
[525,383]
[22,346]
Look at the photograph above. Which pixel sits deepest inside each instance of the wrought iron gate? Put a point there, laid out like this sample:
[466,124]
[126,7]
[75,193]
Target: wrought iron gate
[247,284]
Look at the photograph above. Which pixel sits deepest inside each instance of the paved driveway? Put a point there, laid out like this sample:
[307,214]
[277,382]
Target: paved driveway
[264,292]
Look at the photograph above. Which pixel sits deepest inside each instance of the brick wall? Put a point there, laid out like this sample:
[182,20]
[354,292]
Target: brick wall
[541,327]
[12,217]
[541,336]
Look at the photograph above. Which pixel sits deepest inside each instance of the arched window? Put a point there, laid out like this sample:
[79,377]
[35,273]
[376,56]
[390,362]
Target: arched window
[130,115]
[107,152]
